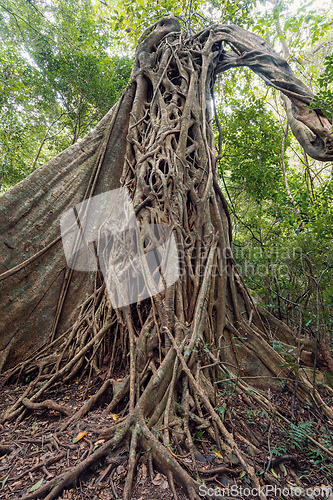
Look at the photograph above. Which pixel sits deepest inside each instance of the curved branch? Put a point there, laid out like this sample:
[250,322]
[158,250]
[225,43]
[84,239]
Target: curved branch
[311,127]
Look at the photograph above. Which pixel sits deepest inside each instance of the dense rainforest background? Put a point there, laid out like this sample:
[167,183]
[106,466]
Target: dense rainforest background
[63,66]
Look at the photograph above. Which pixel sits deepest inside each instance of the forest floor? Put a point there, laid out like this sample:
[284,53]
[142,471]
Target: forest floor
[34,451]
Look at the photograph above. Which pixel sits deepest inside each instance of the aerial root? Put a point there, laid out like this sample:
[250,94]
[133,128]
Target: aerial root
[86,407]
[41,383]
[138,435]
[133,429]
[172,484]
[132,461]
[227,436]
[165,460]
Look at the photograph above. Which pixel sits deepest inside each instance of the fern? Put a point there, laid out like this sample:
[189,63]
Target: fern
[298,434]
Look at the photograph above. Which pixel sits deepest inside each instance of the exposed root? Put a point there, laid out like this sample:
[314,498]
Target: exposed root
[48,403]
[53,488]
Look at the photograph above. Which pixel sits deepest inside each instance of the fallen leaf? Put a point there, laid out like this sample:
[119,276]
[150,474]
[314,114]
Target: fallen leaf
[233,459]
[164,484]
[157,479]
[80,435]
[99,442]
[4,481]
[274,473]
[283,469]
[143,471]
[36,486]
[251,451]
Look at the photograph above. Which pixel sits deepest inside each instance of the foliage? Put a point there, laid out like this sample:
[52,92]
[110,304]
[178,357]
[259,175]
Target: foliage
[301,27]
[63,65]
[294,438]
[325,93]
[298,433]
[282,242]
[252,149]
[130,17]
[57,79]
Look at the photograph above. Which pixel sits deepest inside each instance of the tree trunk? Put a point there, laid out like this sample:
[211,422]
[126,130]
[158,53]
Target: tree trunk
[172,348]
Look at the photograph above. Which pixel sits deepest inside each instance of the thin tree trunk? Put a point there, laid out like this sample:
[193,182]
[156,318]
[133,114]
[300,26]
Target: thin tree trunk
[44,140]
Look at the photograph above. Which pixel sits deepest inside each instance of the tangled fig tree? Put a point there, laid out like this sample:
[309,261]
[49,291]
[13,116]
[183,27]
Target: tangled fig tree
[171,348]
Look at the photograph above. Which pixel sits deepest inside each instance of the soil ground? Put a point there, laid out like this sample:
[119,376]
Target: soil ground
[33,450]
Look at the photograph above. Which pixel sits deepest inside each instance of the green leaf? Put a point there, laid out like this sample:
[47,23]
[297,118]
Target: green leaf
[4,481]
[36,486]
[274,473]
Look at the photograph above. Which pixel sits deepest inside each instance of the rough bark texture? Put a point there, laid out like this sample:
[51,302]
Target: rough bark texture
[158,142]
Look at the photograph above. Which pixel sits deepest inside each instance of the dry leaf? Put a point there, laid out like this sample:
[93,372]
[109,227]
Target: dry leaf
[144,471]
[164,484]
[120,469]
[157,479]
[80,435]
[99,442]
